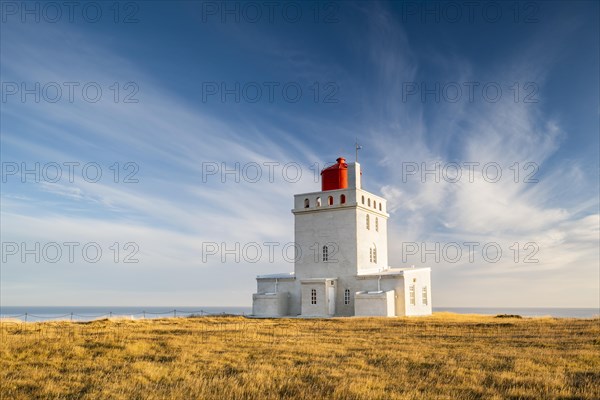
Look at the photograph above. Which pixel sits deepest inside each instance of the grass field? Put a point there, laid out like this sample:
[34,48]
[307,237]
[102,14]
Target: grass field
[445,356]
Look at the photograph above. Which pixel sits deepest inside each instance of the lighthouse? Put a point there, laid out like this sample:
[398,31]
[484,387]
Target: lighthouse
[341,266]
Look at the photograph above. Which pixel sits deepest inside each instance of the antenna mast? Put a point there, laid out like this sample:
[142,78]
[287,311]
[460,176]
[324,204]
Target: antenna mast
[357,147]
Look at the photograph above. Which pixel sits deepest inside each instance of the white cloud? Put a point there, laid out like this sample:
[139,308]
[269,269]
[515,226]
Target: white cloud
[171,212]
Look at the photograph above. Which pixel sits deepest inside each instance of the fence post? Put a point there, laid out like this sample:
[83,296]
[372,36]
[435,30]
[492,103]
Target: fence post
[144,314]
[25,317]
[71,317]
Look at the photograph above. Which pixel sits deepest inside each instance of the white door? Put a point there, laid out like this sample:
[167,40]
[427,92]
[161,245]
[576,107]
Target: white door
[331,299]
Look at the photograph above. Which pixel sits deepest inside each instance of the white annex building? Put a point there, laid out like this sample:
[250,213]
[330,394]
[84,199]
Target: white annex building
[341,268]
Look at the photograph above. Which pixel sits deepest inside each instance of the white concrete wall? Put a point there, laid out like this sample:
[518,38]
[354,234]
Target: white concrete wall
[420,278]
[286,285]
[270,305]
[354,177]
[315,229]
[346,282]
[312,198]
[401,285]
[380,304]
[353,197]
[386,283]
[321,309]
[366,238]
[343,226]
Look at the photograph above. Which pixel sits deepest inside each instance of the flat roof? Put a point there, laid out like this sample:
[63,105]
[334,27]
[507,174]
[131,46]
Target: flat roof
[281,275]
[325,192]
[393,271]
[313,280]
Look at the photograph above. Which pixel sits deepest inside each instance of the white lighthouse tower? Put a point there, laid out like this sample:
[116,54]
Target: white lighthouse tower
[341,267]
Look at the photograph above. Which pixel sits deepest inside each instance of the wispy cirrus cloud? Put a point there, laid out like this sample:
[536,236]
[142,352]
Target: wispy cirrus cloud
[434,210]
[172,210]
[175,206]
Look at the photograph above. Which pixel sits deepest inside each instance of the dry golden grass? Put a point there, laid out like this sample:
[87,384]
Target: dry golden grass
[445,356]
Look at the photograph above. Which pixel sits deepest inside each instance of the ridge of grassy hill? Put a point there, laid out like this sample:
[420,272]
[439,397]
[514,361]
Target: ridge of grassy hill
[444,356]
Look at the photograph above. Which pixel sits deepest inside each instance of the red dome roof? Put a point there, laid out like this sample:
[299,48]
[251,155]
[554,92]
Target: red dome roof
[335,176]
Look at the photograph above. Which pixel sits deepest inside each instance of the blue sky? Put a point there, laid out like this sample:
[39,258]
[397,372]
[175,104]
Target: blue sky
[363,70]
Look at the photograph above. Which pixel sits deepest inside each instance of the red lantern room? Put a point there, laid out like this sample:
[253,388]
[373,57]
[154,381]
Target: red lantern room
[335,176]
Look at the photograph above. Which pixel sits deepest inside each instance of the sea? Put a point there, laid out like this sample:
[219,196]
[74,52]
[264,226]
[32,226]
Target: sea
[85,313]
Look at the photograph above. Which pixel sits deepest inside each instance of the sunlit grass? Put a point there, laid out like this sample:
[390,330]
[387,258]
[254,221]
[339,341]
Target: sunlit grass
[445,356]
